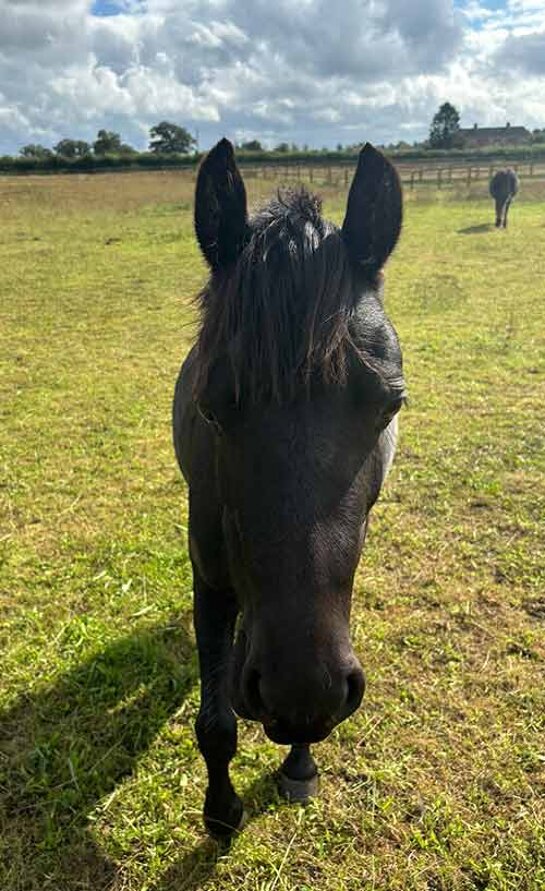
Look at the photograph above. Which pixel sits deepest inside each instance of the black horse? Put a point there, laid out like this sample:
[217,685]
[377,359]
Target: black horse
[284,428]
[504,185]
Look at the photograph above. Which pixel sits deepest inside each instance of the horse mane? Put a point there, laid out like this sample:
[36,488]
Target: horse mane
[281,314]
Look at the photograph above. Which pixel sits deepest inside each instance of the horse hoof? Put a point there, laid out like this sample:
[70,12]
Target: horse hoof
[298,791]
[224,830]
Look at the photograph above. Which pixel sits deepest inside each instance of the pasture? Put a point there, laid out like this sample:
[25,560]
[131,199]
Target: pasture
[438,782]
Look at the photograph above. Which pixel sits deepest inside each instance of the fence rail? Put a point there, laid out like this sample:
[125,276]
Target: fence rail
[412,175]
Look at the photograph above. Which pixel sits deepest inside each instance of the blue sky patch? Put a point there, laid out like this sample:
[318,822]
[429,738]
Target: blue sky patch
[494,4]
[105,8]
[102,8]
[491,5]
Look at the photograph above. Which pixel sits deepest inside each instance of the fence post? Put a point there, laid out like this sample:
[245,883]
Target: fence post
[346,171]
[329,174]
[469,175]
[439,178]
[411,185]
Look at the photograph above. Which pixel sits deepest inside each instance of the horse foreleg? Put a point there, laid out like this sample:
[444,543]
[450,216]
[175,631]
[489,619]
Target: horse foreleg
[499,212]
[215,614]
[298,776]
[505,212]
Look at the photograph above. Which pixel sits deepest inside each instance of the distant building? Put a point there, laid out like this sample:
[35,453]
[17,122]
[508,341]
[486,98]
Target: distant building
[475,136]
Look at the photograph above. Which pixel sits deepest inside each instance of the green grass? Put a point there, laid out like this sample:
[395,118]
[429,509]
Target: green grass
[439,781]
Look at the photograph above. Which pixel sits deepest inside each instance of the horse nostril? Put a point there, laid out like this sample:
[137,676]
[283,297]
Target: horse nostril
[355,686]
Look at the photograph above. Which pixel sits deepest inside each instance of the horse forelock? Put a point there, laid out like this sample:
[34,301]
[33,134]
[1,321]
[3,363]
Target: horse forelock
[281,314]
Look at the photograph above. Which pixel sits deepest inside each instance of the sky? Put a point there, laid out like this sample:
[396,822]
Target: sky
[312,72]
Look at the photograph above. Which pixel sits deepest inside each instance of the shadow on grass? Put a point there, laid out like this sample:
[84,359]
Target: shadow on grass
[67,746]
[476,230]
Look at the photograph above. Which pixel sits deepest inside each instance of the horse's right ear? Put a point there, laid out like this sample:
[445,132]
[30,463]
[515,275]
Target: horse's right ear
[374,211]
[220,206]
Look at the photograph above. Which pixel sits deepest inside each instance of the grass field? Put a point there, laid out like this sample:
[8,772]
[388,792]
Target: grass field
[439,781]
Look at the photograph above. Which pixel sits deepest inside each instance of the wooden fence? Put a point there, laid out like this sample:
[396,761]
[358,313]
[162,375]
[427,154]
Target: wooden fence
[412,176]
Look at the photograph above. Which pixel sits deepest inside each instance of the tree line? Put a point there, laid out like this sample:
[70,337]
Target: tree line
[165,138]
[173,145]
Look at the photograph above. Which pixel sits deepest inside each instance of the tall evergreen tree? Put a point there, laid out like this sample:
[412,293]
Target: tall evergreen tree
[445,127]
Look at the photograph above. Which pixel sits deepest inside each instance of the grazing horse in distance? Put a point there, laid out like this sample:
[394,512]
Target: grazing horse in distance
[504,185]
[285,426]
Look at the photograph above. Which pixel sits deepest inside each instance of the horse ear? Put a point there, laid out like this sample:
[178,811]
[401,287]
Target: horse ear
[373,212]
[220,206]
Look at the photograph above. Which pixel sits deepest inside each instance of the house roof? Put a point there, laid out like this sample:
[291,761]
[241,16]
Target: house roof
[492,131]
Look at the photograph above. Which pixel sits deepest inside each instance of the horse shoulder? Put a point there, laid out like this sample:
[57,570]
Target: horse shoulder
[195,451]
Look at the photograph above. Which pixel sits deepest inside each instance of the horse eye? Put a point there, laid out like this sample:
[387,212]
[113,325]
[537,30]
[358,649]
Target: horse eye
[391,410]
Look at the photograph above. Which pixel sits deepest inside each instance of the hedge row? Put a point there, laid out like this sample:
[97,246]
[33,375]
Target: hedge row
[147,160]
[60,164]
[535,152]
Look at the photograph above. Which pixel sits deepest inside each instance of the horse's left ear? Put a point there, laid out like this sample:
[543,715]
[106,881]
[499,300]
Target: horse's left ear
[374,211]
[220,206]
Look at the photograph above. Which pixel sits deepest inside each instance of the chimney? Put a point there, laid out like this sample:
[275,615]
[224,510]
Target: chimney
[507,125]
[474,126]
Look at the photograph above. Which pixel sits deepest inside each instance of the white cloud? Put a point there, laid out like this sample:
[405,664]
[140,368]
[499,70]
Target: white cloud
[294,70]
